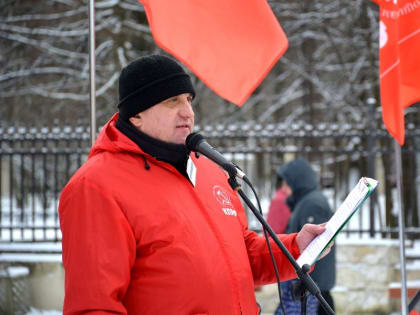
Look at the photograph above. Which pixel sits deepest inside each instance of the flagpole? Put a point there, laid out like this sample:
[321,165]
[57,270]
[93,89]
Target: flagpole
[92,71]
[401,220]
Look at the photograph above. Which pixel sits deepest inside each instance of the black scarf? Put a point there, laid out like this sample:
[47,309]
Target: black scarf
[174,154]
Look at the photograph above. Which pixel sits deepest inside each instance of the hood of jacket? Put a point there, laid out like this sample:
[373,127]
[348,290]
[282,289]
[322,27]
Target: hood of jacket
[301,178]
[112,140]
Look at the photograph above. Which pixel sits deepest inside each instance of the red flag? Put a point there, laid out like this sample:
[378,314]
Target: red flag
[399,61]
[230,45]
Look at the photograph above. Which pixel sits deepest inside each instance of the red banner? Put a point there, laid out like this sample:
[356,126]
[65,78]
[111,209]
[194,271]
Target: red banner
[231,45]
[399,61]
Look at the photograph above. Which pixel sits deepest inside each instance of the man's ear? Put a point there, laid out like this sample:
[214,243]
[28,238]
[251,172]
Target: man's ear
[136,121]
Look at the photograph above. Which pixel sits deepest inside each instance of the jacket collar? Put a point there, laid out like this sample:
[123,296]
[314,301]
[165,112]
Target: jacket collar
[174,154]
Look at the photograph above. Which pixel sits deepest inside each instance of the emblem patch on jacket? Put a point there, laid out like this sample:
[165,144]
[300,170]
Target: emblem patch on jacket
[222,196]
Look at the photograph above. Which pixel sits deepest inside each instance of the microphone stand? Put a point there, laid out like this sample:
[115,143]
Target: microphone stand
[306,281]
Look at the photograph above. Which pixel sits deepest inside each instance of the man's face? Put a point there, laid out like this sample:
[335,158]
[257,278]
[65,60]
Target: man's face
[171,120]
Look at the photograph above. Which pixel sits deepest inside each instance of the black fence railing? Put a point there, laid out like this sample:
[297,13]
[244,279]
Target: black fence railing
[35,164]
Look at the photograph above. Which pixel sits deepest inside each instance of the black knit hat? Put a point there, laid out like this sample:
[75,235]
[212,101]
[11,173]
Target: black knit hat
[148,81]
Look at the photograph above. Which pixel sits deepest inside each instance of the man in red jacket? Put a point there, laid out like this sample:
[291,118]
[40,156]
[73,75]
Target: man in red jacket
[148,227]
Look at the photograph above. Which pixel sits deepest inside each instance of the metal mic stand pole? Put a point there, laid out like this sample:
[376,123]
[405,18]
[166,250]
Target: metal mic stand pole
[302,273]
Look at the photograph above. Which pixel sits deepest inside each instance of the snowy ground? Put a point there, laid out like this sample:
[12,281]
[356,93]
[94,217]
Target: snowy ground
[38,312]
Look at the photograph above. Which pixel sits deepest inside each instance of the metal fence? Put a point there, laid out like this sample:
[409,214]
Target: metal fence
[35,164]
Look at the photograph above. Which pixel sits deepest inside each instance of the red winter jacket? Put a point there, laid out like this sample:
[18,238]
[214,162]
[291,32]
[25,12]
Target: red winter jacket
[279,212]
[146,241]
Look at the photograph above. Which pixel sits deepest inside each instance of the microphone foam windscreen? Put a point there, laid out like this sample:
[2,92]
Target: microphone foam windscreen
[193,140]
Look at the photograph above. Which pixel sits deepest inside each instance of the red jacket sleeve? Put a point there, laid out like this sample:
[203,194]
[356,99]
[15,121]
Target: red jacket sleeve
[260,259]
[259,256]
[98,250]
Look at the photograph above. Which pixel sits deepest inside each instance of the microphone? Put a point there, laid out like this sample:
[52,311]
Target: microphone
[196,142]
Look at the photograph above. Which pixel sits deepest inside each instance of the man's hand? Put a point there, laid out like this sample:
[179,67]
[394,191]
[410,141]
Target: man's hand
[308,233]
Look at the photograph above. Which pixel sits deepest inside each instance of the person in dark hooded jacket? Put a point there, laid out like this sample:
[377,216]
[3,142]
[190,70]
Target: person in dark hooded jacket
[308,205]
